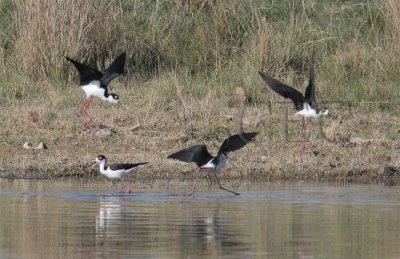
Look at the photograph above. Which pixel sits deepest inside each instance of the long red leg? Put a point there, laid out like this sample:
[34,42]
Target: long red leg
[85,106]
[222,188]
[82,111]
[303,135]
[126,185]
[93,128]
[195,182]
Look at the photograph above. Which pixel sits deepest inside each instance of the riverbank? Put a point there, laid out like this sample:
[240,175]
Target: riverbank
[359,142]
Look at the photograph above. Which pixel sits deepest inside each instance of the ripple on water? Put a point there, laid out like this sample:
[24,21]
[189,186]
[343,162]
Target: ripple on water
[312,221]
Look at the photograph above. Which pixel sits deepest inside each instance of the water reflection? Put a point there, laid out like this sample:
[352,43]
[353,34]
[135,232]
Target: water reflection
[279,222]
[208,230]
[180,229]
[108,221]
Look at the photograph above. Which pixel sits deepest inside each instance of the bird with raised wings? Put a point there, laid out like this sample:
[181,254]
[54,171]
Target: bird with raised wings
[213,164]
[305,105]
[94,82]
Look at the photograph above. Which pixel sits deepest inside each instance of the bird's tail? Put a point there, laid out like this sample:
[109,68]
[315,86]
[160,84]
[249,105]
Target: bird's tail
[297,113]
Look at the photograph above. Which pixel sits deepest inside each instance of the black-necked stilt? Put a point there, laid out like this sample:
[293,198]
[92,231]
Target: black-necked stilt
[305,104]
[208,163]
[117,171]
[94,82]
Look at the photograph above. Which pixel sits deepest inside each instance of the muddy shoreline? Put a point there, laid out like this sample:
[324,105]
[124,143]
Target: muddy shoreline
[260,161]
[359,144]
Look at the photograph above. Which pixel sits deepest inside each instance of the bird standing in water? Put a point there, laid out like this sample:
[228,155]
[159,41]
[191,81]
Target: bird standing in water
[117,171]
[208,163]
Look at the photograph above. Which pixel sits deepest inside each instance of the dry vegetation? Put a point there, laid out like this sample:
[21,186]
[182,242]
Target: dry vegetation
[185,60]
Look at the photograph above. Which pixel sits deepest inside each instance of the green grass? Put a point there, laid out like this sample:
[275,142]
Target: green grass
[206,46]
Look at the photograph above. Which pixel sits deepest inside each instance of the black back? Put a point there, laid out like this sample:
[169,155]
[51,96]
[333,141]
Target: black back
[87,74]
[114,70]
[236,142]
[285,91]
[197,154]
[124,166]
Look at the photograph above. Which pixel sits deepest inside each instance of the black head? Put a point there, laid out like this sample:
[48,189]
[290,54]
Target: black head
[324,111]
[100,158]
[113,98]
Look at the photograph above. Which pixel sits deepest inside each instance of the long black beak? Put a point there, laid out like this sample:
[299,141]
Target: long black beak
[332,117]
[92,164]
[120,105]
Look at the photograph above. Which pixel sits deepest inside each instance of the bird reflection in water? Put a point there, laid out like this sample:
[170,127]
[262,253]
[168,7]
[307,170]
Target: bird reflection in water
[110,218]
[209,232]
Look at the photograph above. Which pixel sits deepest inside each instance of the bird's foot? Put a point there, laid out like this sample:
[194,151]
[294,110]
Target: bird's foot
[236,193]
[92,128]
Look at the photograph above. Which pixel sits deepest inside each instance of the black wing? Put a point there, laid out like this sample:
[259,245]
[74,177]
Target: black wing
[309,94]
[285,91]
[197,154]
[87,74]
[114,70]
[236,142]
[310,90]
[125,166]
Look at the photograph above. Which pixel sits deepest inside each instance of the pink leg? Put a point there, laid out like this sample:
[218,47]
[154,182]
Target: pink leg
[85,106]
[222,188]
[303,135]
[126,186]
[195,182]
[93,128]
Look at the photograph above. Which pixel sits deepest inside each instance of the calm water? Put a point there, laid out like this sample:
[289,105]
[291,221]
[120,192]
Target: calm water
[96,220]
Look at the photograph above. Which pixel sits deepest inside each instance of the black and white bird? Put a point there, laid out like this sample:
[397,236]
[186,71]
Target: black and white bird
[208,163]
[94,83]
[305,104]
[117,171]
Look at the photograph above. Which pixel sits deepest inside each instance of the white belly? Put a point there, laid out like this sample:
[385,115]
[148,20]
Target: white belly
[115,174]
[94,89]
[308,112]
[211,167]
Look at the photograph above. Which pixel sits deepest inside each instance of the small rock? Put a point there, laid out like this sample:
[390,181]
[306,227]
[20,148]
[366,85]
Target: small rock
[99,131]
[102,132]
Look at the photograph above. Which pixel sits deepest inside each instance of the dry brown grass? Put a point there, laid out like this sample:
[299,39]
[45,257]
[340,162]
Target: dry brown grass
[185,60]
[215,40]
[47,30]
[167,128]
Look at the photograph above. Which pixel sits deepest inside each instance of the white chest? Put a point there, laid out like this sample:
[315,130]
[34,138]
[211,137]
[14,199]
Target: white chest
[94,89]
[211,166]
[114,174]
[308,112]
